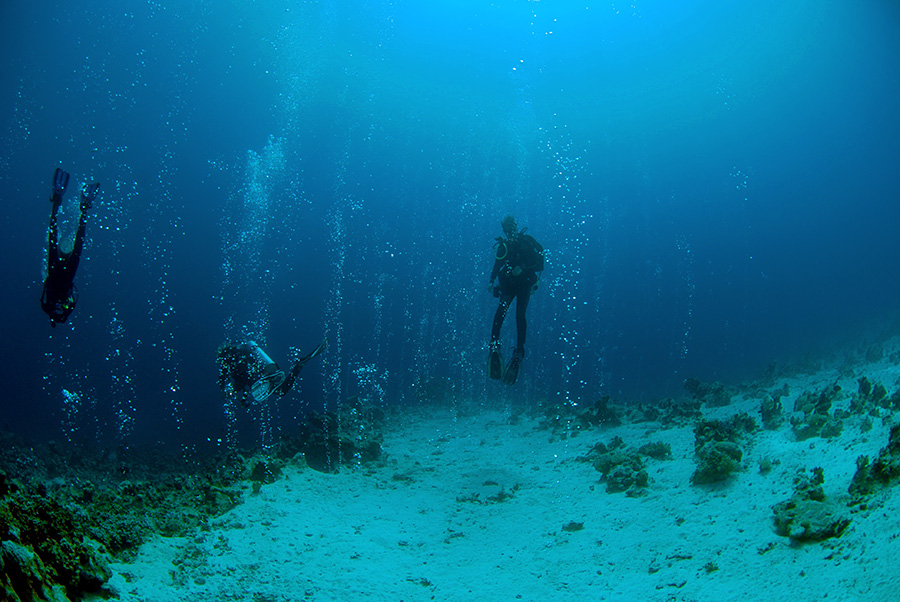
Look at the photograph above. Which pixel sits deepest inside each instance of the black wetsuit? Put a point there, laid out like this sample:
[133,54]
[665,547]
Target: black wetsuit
[519,259]
[60,295]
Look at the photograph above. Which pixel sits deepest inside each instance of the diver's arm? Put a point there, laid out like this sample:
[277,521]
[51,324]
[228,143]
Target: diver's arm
[498,264]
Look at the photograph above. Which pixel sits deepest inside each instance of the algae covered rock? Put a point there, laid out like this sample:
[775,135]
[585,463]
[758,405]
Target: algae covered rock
[45,553]
[66,509]
[808,516]
[808,520]
[716,461]
[624,478]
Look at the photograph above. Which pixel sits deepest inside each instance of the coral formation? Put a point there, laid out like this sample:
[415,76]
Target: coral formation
[568,420]
[46,552]
[716,445]
[884,470]
[811,417]
[64,512]
[772,410]
[623,467]
[808,516]
[712,394]
[870,396]
[667,412]
[350,437]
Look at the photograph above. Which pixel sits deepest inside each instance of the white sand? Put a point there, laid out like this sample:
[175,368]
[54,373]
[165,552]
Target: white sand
[357,536]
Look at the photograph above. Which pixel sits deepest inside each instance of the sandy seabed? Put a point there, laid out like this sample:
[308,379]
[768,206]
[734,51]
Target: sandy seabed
[489,507]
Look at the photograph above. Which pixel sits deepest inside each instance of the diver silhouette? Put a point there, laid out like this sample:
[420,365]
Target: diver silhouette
[60,295]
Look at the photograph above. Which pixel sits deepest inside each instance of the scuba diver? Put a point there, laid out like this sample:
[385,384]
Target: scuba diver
[60,295]
[245,370]
[519,259]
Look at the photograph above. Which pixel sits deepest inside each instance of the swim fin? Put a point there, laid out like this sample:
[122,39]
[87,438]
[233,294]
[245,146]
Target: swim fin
[495,363]
[60,182]
[512,370]
[88,194]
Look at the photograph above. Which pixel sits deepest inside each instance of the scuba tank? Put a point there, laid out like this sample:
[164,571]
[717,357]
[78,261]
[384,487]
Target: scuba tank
[271,377]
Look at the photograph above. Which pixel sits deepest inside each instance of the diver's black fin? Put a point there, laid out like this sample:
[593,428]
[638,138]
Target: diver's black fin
[512,370]
[60,182]
[88,194]
[495,363]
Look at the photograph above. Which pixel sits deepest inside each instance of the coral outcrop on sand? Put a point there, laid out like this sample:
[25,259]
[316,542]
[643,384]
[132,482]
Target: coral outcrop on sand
[872,398]
[352,436]
[772,410]
[812,415]
[568,420]
[711,394]
[879,473]
[717,447]
[808,516]
[668,412]
[623,467]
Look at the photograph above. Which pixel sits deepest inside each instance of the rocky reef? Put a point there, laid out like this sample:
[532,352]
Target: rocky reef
[47,551]
[66,511]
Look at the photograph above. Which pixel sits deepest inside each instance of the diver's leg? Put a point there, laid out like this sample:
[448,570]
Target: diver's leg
[495,359]
[60,182]
[73,259]
[512,369]
[291,376]
[499,316]
[521,324]
[53,236]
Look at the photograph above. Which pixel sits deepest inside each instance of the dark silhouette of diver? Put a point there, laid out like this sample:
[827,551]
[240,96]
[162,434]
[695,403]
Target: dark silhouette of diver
[247,372]
[519,259]
[59,297]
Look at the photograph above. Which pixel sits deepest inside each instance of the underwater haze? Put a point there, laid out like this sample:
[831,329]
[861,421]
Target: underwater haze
[716,186]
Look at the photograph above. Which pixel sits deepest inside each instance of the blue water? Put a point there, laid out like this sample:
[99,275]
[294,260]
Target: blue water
[715,183]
